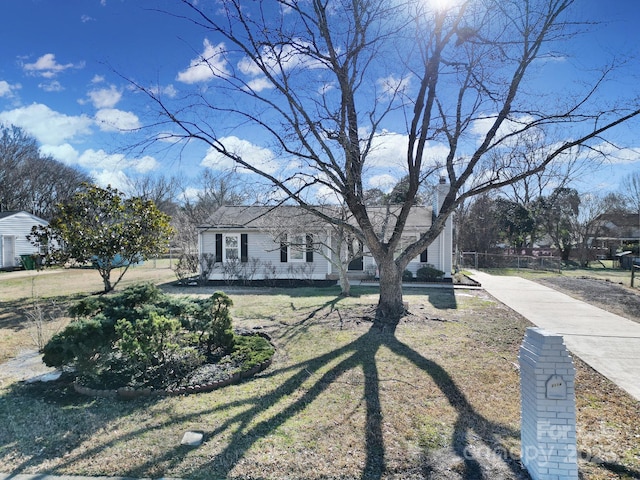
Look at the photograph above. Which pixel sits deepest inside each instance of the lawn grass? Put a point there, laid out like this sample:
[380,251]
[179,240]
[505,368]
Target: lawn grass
[439,399]
[53,291]
[596,270]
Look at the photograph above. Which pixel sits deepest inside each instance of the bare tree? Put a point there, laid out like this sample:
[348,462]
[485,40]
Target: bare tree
[161,190]
[631,190]
[16,148]
[589,226]
[320,80]
[193,210]
[30,181]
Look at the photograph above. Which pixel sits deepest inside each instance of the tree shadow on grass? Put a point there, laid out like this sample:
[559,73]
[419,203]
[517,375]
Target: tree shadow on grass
[360,353]
[42,422]
[293,390]
[442,297]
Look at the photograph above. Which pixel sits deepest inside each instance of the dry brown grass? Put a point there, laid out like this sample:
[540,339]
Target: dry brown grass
[53,290]
[439,399]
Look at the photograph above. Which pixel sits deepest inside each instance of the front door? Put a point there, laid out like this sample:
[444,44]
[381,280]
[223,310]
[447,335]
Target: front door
[8,251]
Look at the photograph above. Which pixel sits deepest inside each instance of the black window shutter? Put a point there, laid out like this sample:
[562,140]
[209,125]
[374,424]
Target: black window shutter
[283,252]
[423,256]
[218,247]
[309,248]
[244,248]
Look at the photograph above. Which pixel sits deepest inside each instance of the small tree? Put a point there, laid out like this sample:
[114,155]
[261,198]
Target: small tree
[100,226]
[560,213]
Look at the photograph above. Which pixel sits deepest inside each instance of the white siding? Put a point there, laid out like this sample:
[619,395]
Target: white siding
[264,254]
[18,226]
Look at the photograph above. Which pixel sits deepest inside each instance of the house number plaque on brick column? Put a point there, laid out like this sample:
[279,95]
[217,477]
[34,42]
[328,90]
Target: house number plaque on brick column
[556,388]
[548,403]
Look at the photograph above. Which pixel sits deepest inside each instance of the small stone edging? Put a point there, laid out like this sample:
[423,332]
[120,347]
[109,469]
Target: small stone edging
[131,393]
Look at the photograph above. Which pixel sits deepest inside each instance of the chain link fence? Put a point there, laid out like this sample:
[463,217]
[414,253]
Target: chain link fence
[495,260]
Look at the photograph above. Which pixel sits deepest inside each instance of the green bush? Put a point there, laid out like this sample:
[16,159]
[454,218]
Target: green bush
[212,322]
[142,337]
[428,272]
[407,275]
[147,341]
[80,345]
[251,350]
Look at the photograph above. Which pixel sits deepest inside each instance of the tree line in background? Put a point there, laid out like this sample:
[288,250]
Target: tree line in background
[518,219]
[31,181]
[564,220]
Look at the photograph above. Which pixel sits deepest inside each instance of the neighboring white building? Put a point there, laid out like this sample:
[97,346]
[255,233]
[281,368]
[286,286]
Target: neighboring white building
[286,242]
[14,228]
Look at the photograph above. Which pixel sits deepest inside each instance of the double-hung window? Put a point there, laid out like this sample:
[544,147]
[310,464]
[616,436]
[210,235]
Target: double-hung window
[231,247]
[296,248]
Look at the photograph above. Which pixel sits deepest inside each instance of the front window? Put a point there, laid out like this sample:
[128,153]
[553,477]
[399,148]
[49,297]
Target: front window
[231,247]
[404,243]
[297,248]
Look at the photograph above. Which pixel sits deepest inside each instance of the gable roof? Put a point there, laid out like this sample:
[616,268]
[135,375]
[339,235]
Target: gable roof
[7,213]
[11,213]
[293,216]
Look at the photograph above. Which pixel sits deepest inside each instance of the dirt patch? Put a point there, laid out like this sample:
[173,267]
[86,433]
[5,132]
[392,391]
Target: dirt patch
[612,297]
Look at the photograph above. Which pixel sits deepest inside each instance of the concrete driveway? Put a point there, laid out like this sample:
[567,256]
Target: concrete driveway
[609,343]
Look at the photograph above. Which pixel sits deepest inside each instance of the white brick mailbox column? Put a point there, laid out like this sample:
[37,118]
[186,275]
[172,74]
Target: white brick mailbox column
[548,431]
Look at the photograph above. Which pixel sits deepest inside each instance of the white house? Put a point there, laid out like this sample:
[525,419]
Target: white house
[287,242]
[14,228]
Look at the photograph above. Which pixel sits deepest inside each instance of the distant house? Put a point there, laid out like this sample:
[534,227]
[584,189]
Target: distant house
[287,242]
[617,229]
[14,228]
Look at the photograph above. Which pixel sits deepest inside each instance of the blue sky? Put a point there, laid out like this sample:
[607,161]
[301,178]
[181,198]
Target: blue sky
[64,64]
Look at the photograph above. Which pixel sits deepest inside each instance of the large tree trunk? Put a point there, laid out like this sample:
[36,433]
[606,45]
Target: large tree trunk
[390,305]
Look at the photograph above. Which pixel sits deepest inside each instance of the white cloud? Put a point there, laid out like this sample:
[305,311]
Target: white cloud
[391,85]
[288,57]
[389,151]
[384,182]
[93,159]
[144,164]
[482,126]
[249,67]
[47,67]
[169,91]
[105,97]
[326,88]
[54,86]
[97,79]
[210,64]
[114,120]
[7,90]
[191,193]
[99,160]
[47,126]
[65,153]
[259,84]
[115,178]
[283,58]
[614,154]
[259,157]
